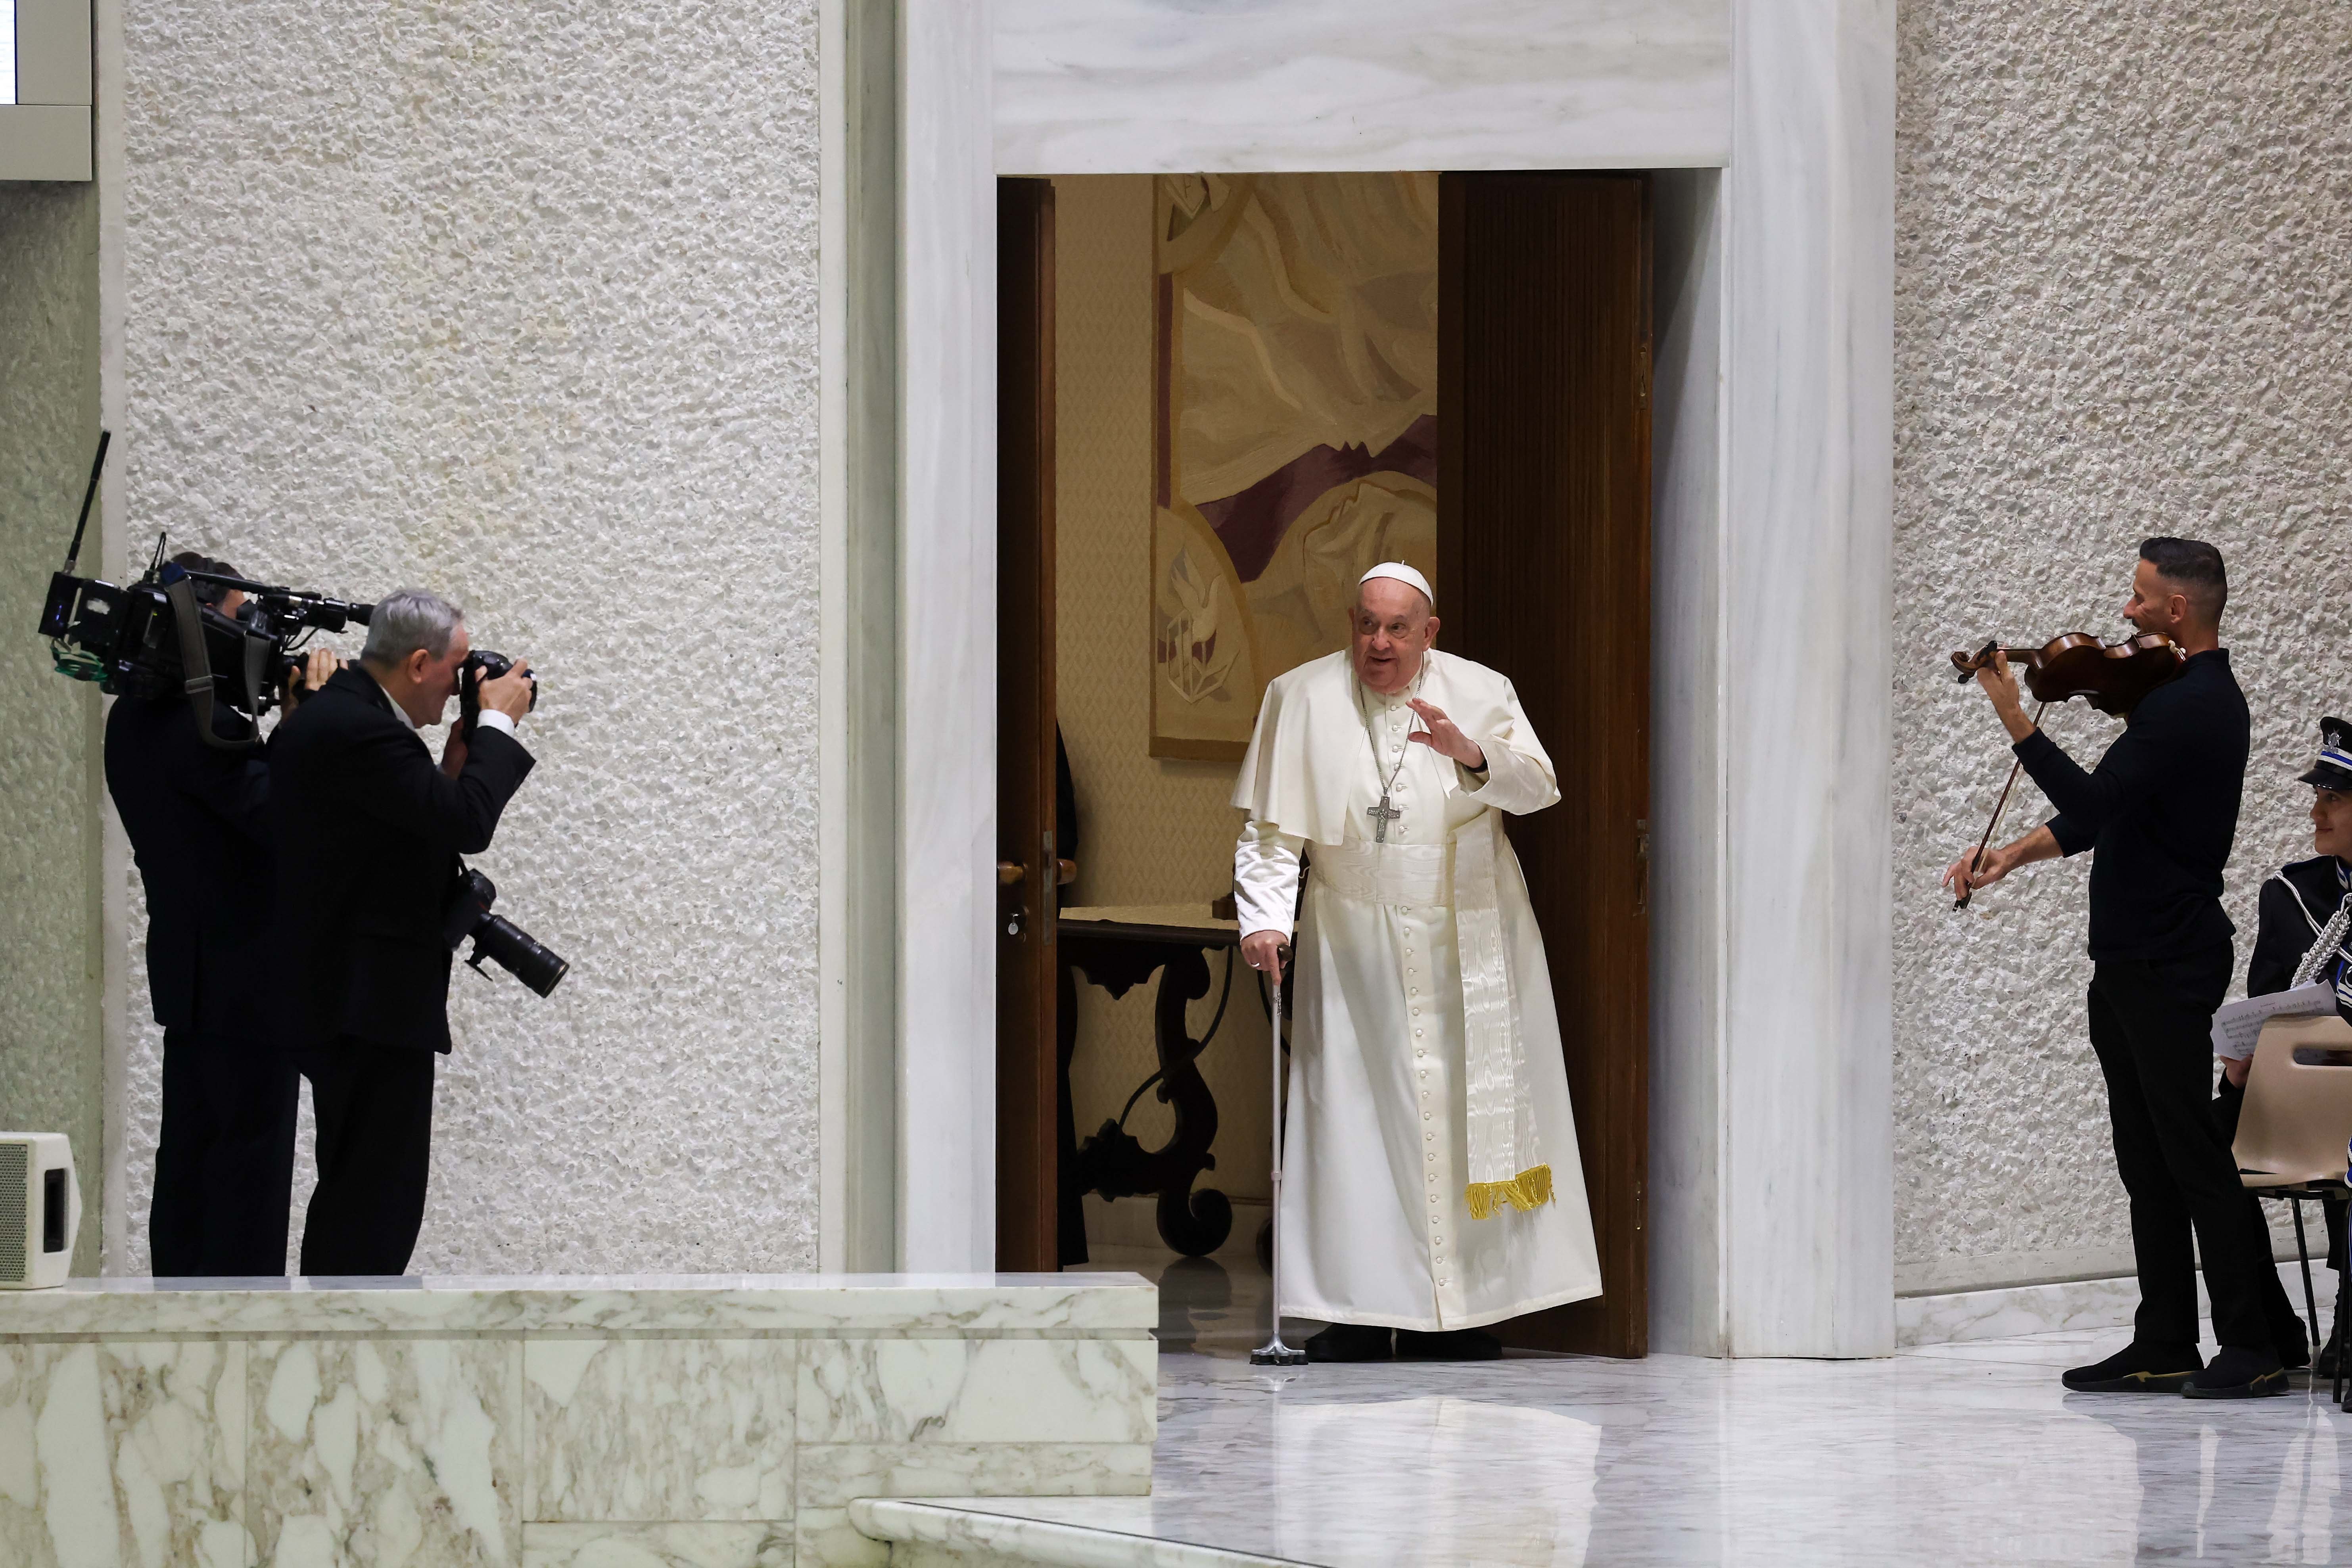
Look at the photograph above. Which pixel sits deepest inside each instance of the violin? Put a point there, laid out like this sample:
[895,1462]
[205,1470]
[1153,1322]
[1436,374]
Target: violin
[2110,676]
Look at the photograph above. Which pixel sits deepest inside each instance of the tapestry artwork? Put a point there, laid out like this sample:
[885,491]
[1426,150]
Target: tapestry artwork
[1297,426]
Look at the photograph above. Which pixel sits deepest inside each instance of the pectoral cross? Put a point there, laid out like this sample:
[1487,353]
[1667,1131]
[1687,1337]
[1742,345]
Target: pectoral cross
[1382,815]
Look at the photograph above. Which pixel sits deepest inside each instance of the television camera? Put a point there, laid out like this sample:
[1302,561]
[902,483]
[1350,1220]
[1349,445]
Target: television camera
[158,636]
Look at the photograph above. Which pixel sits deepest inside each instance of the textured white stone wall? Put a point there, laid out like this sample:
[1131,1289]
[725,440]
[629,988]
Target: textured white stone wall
[2124,307]
[50,1052]
[519,302]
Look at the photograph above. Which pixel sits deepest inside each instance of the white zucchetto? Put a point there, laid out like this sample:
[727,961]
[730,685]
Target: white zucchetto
[1402,573]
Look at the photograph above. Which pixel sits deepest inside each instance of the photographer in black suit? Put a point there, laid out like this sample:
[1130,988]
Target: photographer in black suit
[369,832]
[197,818]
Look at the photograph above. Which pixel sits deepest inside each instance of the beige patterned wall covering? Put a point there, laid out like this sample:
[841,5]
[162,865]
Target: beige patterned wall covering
[1152,831]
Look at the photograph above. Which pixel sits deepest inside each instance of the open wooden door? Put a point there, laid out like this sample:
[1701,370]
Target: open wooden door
[1544,574]
[1028,858]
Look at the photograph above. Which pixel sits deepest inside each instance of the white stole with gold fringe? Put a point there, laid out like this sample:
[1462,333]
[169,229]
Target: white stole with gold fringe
[1506,1161]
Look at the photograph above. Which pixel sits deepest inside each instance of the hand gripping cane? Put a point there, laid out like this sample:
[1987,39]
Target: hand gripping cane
[1274,1352]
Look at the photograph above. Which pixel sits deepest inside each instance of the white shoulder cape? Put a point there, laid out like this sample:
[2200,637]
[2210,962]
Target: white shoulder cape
[1311,740]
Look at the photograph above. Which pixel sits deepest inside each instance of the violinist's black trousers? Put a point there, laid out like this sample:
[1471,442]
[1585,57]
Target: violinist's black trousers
[2151,1024]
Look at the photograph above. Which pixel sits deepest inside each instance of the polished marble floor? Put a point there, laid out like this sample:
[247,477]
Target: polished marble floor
[1956,1454]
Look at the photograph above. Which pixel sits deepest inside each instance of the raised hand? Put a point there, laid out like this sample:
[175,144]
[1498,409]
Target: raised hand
[1445,737]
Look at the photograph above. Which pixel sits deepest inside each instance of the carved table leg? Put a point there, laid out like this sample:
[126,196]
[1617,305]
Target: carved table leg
[1195,1224]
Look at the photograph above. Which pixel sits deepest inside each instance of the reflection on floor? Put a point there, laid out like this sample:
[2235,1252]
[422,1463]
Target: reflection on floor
[1951,1453]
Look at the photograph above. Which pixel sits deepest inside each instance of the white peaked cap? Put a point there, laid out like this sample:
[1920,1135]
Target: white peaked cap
[1402,573]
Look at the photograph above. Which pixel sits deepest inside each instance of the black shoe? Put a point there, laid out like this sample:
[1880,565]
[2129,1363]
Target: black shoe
[1349,1341]
[1451,1344]
[2138,1369]
[2238,1375]
[2326,1365]
[2294,1354]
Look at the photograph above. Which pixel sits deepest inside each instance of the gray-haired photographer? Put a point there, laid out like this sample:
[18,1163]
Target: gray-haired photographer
[370,894]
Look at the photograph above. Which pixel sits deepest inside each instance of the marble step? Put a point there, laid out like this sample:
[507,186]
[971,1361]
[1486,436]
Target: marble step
[936,1533]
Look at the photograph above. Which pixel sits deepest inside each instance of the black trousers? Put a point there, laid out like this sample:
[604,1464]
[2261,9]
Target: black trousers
[2278,1308]
[374,1108]
[2151,1025]
[224,1161]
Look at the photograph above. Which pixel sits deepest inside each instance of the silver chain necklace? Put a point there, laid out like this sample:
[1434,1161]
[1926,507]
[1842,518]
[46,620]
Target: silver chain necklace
[1384,814]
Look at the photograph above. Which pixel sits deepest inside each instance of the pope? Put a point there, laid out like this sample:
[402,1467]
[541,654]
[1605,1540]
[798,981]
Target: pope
[1432,1185]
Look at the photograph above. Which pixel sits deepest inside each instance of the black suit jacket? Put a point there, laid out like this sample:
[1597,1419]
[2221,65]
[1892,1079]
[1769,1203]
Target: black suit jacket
[369,832]
[198,822]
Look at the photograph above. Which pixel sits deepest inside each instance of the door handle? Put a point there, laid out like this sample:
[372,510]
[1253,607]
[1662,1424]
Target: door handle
[1065,872]
[1009,874]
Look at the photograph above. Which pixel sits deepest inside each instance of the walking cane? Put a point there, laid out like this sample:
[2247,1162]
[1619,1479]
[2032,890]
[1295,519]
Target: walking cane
[1274,1352]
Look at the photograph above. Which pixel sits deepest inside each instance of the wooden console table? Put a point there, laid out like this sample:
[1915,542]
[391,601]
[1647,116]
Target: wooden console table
[1118,948]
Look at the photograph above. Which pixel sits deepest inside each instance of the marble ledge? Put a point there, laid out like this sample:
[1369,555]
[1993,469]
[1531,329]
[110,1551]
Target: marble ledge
[835,1305]
[942,1533]
[1960,1316]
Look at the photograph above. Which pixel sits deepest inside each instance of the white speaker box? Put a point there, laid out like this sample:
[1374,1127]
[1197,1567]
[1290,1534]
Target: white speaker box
[40,1210]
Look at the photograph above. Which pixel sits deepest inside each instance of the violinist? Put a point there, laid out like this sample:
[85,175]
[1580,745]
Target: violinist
[2297,908]
[2158,814]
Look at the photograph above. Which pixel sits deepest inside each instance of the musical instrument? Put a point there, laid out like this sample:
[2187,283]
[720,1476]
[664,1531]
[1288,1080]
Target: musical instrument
[2111,677]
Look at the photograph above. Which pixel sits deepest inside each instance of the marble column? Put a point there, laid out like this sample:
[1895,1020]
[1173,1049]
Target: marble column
[1806,1158]
[947,639]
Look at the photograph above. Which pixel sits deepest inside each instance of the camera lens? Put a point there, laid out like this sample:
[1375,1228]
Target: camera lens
[506,945]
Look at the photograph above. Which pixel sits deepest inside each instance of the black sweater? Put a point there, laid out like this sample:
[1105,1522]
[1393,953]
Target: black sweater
[2158,813]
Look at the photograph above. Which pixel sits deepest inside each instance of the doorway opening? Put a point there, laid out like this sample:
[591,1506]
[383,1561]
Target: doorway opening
[1220,399]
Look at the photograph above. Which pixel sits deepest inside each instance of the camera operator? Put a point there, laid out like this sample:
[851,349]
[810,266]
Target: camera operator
[370,830]
[197,819]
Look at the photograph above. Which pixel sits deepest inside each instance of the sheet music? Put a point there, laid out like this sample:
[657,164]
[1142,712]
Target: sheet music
[2239,1025]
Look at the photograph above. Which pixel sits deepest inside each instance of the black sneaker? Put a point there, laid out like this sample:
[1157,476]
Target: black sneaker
[2239,1375]
[1451,1344]
[2138,1369]
[1349,1341]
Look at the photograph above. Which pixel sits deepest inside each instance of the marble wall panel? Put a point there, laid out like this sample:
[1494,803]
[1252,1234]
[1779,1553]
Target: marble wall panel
[1807,1216]
[123,1454]
[659,1429]
[377,1453]
[728,1545]
[964,1391]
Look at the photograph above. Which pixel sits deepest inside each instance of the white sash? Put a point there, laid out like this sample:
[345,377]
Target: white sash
[1463,874]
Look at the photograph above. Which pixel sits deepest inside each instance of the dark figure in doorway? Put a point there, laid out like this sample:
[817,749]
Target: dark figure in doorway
[2160,814]
[2297,904]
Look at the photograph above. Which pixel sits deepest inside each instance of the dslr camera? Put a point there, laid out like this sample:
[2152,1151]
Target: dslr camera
[468,914]
[482,664]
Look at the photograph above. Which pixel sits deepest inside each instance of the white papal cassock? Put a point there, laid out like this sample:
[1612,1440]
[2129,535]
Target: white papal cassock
[1413,1101]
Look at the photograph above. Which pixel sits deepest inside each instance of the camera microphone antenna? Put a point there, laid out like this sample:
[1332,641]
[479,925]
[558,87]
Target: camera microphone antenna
[97,467]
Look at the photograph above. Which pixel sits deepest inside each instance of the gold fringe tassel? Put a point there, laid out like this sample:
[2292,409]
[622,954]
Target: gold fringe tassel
[1531,1188]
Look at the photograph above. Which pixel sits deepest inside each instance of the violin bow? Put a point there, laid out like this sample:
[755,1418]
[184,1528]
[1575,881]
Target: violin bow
[1999,805]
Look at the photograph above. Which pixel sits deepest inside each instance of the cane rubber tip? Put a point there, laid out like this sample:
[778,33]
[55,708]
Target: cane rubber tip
[1285,1356]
